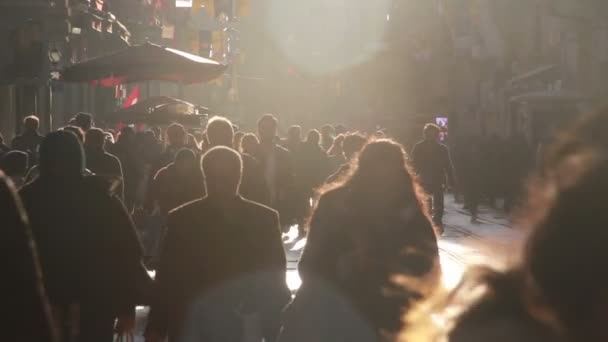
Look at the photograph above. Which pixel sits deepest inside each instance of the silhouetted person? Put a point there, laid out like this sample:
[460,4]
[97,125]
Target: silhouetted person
[177,183]
[103,163]
[371,254]
[555,291]
[15,165]
[433,165]
[238,139]
[250,144]
[126,151]
[205,288]
[352,145]
[277,167]
[89,250]
[25,310]
[340,129]
[30,139]
[84,121]
[293,143]
[335,154]
[253,187]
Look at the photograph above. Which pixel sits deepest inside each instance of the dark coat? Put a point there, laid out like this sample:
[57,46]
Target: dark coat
[28,142]
[220,260]
[25,309]
[90,252]
[433,164]
[350,257]
[282,183]
[107,166]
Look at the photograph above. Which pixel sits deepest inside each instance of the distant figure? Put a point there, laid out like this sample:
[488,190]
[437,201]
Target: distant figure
[30,139]
[352,145]
[371,254]
[327,137]
[205,289]
[293,143]
[433,165]
[15,165]
[103,163]
[90,253]
[336,155]
[553,292]
[250,144]
[176,184]
[25,310]
[84,121]
[277,167]
[314,167]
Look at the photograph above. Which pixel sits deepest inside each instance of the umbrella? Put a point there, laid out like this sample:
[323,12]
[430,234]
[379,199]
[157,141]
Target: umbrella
[145,62]
[161,110]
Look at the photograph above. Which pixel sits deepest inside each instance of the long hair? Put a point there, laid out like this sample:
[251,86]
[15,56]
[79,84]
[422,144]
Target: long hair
[383,154]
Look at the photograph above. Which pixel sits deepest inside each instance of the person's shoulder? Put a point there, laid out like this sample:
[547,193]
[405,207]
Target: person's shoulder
[281,150]
[258,208]
[334,196]
[188,208]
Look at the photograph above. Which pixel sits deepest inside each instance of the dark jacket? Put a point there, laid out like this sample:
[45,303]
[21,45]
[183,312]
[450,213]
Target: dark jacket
[90,252]
[25,309]
[222,261]
[28,142]
[107,166]
[350,257]
[433,164]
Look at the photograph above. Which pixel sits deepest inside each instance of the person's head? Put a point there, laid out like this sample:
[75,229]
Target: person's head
[176,135]
[84,121]
[61,156]
[238,138]
[77,132]
[220,131]
[95,139]
[336,147]
[352,144]
[294,134]
[109,138]
[327,131]
[31,123]
[223,169]
[267,128]
[340,129]
[185,161]
[431,132]
[381,174]
[15,164]
[249,144]
[313,137]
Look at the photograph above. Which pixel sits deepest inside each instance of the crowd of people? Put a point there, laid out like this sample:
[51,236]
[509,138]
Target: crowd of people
[77,204]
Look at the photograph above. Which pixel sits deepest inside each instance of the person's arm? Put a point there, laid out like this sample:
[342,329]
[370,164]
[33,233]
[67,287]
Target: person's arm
[118,173]
[315,261]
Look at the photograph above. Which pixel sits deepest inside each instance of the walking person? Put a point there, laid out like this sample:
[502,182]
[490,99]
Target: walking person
[15,165]
[90,253]
[25,311]
[371,254]
[126,150]
[277,166]
[205,289]
[433,165]
[352,145]
[103,163]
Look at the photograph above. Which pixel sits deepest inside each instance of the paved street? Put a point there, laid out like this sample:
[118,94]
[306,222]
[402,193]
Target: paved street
[462,245]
